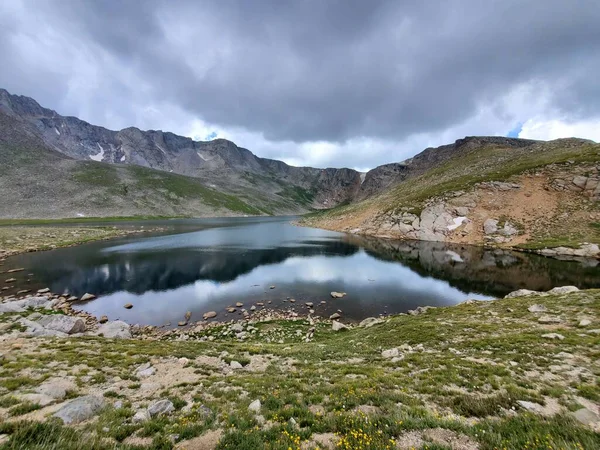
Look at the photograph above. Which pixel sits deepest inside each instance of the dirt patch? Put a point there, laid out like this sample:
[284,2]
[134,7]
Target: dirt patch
[439,436]
[321,441]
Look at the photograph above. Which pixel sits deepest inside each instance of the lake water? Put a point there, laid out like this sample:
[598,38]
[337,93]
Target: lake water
[200,265]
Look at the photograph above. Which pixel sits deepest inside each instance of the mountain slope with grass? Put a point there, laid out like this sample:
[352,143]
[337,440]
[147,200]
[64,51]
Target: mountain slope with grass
[515,373]
[494,191]
[270,186]
[37,182]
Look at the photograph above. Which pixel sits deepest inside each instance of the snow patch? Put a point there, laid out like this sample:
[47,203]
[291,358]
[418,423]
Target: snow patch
[57,132]
[80,215]
[201,157]
[98,156]
[458,221]
[122,158]
[363,175]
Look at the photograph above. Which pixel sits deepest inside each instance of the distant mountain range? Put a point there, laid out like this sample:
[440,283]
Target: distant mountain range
[58,166]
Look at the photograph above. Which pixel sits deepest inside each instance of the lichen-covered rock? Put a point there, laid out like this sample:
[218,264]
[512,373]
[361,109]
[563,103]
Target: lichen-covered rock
[63,324]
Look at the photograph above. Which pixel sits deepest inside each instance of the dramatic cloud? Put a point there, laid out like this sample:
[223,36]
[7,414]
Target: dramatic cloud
[334,82]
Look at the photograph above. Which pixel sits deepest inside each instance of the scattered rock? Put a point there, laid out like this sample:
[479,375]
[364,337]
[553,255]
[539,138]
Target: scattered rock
[420,310]
[585,323]
[117,329]
[490,226]
[43,291]
[254,406]
[161,408]
[271,287]
[563,290]
[338,294]
[127,306]
[80,409]
[309,304]
[522,293]
[142,415]
[338,326]
[560,337]
[235,365]
[549,319]
[182,323]
[335,316]
[239,304]
[11,280]
[537,308]
[209,315]
[391,353]
[530,406]
[369,322]
[103,319]
[63,324]
[87,297]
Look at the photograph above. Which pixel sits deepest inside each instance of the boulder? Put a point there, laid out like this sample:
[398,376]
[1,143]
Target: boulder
[391,353]
[335,316]
[580,181]
[63,324]
[127,306]
[10,307]
[335,294]
[537,308]
[563,290]
[338,326]
[117,329]
[34,302]
[55,388]
[161,408]
[585,416]
[142,415]
[103,319]
[80,409]
[209,315]
[369,322]
[490,226]
[560,337]
[522,293]
[585,323]
[235,365]
[254,406]
[85,297]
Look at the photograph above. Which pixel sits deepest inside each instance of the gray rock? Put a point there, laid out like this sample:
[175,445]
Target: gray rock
[63,324]
[522,293]
[141,415]
[43,291]
[560,337]
[85,297]
[490,226]
[338,326]
[335,294]
[38,399]
[10,307]
[585,416]
[254,406]
[537,308]
[34,302]
[585,323]
[237,328]
[391,353]
[550,319]
[370,322]
[235,365]
[116,329]
[563,290]
[580,181]
[335,316]
[161,408]
[209,315]
[56,388]
[80,409]
[530,406]
[145,373]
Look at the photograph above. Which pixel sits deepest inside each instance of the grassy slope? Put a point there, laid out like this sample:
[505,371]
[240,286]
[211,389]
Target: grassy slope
[477,361]
[486,163]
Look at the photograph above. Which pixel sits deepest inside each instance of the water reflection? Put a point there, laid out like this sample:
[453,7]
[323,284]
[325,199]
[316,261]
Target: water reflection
[230,260]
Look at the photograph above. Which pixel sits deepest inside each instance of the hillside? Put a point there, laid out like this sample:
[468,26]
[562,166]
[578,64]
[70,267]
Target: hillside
[268,186]
[522,375]
[492,191]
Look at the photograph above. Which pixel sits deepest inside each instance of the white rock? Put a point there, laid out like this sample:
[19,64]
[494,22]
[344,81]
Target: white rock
[140,416]
[116,329]
[530,406]
[338,294]
[63,324]
[490,226]
[563,290]
[391,353]
[585,322]
[254,406]
[235,365]
[560,337]
[87,297]
[338,326]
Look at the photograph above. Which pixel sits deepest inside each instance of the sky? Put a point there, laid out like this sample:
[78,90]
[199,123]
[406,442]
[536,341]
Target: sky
[323,83]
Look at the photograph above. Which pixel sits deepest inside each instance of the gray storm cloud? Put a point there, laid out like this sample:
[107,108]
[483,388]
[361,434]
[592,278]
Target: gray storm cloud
[301,71]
